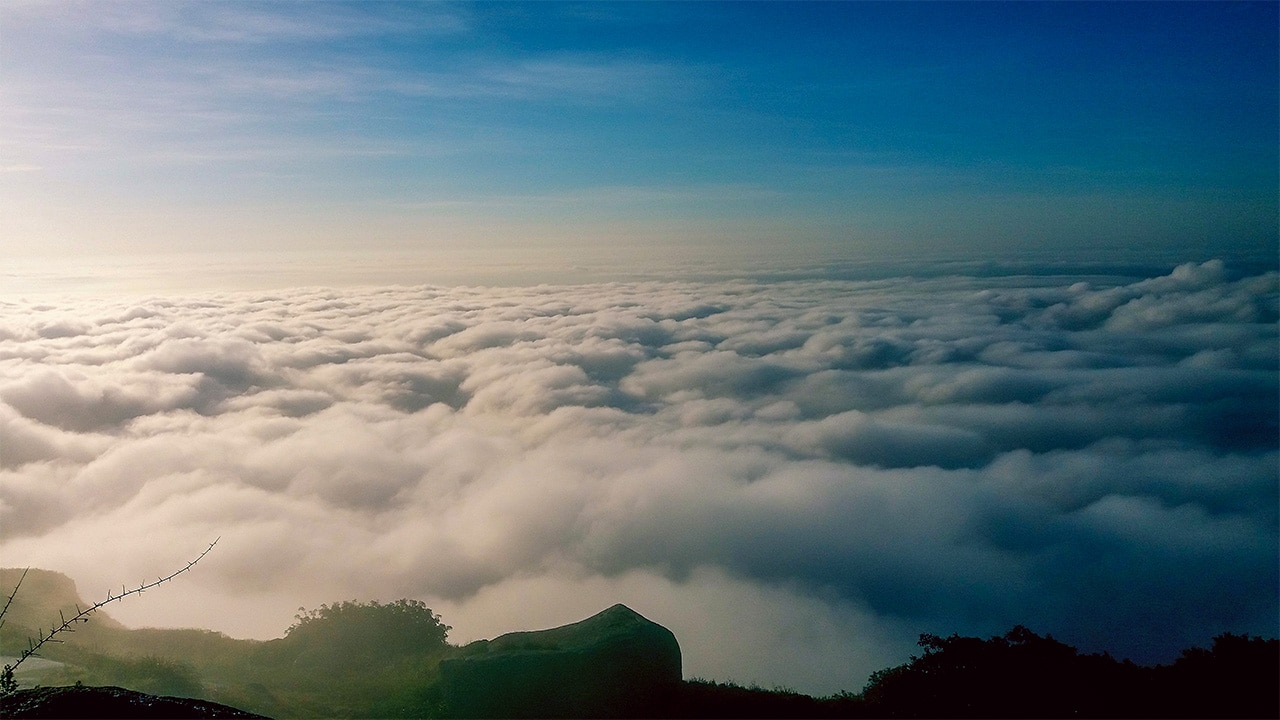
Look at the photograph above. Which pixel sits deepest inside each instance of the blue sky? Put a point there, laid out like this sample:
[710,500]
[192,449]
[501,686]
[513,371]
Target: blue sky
[863,128]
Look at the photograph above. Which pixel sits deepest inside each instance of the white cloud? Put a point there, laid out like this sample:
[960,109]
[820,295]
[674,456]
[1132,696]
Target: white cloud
[797,476]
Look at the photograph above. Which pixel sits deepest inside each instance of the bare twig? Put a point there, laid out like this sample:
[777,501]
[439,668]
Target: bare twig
[9,602]
[82,615]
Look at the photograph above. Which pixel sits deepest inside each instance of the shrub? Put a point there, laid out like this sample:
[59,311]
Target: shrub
[354,630]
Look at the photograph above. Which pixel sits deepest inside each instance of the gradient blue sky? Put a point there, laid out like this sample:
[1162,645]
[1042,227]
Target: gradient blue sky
[859,128]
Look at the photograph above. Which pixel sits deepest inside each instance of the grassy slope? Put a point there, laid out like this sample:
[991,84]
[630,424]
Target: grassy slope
[279,677]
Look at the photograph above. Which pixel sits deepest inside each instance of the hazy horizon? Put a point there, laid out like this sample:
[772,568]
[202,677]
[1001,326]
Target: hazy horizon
[800,328]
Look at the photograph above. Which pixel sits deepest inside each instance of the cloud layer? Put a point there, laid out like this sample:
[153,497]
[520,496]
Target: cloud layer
[797,477]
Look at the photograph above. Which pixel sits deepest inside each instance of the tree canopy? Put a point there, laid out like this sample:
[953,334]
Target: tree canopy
[352,629]
[1022,674]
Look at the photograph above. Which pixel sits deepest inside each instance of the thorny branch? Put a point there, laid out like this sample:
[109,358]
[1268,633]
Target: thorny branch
[9,602]
[7,684]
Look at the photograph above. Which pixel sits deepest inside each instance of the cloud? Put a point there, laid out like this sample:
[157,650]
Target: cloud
[76,401]
[796,476]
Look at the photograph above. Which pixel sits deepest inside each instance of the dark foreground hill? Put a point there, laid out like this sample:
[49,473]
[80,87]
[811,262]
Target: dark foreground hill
[78,701]
[372,660]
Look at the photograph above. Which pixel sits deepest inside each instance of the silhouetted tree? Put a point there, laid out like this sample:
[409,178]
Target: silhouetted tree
[1238,677]
[1019,674]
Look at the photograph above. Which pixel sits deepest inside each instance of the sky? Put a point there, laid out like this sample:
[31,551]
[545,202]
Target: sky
[800,328]
[863,128]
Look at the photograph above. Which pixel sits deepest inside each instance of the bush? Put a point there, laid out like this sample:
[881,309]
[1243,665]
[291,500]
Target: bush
[355,631]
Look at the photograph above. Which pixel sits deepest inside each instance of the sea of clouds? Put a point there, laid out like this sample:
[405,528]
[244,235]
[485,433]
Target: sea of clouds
[796,476]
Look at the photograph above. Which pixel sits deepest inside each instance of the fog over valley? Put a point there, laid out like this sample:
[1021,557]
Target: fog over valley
[796,475]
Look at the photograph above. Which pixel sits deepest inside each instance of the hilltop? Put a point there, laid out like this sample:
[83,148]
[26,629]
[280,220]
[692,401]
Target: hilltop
[44,595]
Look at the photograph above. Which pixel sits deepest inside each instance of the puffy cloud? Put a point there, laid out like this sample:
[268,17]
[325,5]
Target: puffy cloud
[796,476]
[73,400]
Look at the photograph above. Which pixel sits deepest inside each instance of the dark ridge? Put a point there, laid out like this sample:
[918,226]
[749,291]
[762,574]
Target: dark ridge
[375,660]
[79,701]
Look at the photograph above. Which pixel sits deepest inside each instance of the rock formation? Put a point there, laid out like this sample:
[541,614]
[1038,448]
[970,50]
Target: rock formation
[613,664]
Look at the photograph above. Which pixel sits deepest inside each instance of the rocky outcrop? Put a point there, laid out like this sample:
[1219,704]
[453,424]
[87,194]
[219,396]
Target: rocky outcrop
[613,664]
[77,701]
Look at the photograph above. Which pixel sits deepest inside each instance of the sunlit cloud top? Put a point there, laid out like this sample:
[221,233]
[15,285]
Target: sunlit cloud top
[133,127]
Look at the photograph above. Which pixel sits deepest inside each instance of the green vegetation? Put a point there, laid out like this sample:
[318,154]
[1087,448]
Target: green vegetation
[349,659]
[348,632]
[69,620]
[149,674]
[354,659]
